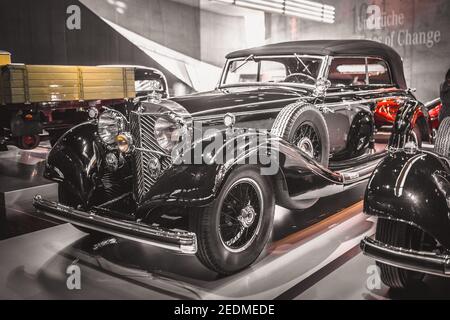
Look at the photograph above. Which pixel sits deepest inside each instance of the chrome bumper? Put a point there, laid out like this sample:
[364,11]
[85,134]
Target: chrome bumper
[426,262]
[180,241]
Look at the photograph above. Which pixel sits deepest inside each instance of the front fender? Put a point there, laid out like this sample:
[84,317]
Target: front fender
[413,188]
[197,180]
[197,175]
[75,160]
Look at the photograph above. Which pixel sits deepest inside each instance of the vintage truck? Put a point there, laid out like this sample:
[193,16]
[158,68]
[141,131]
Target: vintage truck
[38,99]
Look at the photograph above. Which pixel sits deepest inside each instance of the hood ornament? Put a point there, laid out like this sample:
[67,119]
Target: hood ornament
[321,87]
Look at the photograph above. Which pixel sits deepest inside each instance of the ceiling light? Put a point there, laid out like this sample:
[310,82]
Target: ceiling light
[305,9]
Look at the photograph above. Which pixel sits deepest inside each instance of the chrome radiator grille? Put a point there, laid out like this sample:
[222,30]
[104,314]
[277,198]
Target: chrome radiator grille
[143,132]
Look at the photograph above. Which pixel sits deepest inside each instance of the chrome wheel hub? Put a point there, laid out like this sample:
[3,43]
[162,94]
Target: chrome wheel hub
[247,216]
[241,215]
[306,145]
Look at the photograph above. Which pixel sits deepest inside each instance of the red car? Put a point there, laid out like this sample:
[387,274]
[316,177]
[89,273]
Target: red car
[386,111]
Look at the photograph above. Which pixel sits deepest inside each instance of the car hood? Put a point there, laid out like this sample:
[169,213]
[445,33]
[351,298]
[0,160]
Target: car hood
[221,101]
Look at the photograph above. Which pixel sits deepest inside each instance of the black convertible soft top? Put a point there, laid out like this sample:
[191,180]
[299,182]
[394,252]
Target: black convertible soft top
[355,47]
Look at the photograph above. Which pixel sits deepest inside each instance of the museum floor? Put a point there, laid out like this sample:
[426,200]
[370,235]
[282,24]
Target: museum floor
[314,254]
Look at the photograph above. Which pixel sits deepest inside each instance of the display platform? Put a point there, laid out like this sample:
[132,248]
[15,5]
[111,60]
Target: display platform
[306,247]
[20,179]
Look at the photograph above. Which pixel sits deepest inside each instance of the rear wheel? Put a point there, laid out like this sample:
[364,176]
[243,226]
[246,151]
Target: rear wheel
[234,230]
[442,144]
[405,236]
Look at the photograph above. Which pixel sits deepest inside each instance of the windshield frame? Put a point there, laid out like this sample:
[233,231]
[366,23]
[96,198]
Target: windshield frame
[226,68]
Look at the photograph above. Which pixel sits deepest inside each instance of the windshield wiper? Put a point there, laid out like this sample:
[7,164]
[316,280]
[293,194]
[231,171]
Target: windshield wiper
[305,67]
[250,57]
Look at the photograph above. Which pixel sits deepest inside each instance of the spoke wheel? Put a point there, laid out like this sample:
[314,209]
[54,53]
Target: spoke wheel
[234,230]
[240,215]
[307,139]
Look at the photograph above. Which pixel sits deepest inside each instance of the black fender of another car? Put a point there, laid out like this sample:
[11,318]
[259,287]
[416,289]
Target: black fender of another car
[76,160]
[412,187]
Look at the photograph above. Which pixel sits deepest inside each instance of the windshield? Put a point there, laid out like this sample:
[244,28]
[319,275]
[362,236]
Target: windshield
[292,70]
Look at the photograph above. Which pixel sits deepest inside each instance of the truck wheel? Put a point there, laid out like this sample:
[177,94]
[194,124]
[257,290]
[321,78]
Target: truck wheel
[442,144]
[401,235]
[304,126]
[68,199]
[234,230]
[28,142]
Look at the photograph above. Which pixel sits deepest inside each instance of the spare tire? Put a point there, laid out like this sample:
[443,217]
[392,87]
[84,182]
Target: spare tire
[304,126]
[442,144]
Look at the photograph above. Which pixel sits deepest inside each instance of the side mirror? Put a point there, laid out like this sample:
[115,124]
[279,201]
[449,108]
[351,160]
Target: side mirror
[322,86]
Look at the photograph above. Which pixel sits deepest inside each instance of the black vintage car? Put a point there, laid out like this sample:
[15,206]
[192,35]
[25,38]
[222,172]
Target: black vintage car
[409,192]
[310,103]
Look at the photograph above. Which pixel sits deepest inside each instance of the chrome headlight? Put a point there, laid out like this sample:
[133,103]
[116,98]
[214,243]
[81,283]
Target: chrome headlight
[168,132]
[110,124]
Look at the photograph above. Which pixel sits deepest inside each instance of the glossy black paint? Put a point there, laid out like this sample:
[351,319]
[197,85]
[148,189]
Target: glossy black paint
[406,117]
[239,99]
[413,188]
[257,107]
[76,160]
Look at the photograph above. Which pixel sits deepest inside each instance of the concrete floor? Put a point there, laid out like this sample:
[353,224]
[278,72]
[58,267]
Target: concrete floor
[314,254]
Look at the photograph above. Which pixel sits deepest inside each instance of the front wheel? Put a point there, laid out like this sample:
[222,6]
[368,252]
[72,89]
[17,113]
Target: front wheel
[399,234]
[234,230]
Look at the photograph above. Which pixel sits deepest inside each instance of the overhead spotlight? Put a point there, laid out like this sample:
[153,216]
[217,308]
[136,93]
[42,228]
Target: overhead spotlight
[305,9]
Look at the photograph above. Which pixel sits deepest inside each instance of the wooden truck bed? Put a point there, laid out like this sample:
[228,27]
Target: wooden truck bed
[27,84]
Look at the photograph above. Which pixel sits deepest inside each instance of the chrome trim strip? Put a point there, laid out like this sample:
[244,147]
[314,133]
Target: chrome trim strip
[420,261]
[241,113]
[195,114]
[432,102]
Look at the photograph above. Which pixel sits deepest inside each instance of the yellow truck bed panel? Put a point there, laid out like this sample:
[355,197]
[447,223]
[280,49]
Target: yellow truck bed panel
[35,83]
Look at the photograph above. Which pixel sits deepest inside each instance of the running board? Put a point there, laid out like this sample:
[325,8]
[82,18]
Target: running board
[350,178]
